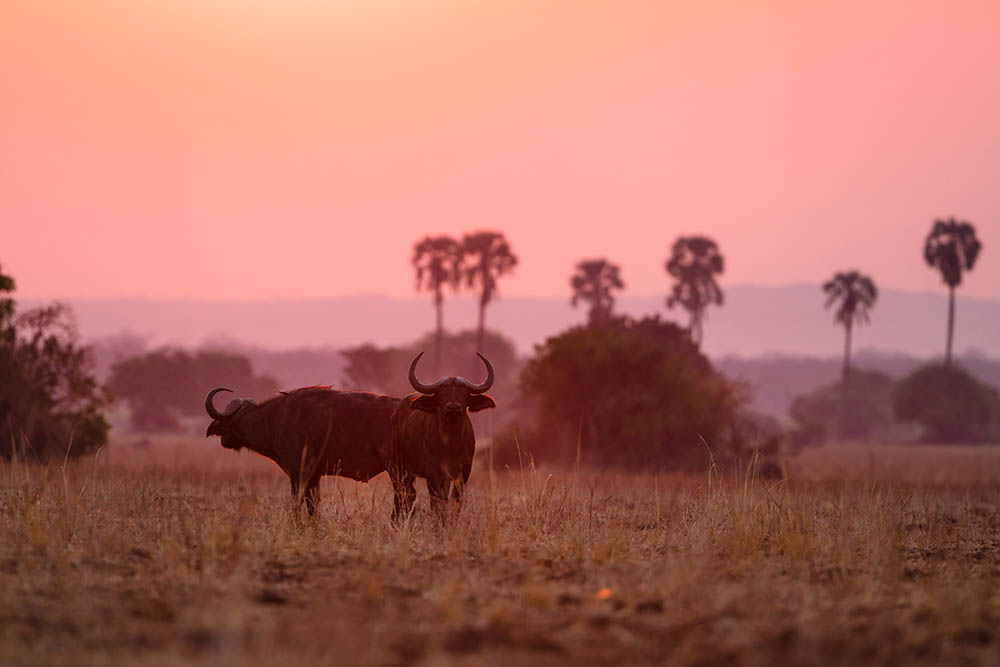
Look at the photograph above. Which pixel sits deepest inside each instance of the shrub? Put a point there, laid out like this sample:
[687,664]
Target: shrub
[163,385]
[864,410]
[51,405]
[951,404]
[630,393]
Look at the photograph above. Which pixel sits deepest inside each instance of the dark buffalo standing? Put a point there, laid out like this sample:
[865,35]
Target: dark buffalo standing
[309,433]
[432,438]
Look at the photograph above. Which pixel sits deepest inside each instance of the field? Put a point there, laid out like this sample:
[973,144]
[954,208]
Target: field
[181,553]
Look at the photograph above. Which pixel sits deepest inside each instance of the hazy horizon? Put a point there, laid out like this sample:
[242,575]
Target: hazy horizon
[462,294]
[755,321]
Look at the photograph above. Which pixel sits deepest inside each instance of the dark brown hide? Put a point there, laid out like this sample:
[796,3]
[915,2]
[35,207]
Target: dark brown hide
[312,432]
[432,438]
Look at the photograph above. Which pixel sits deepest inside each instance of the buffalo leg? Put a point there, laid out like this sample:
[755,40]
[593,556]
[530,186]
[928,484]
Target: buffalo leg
[438,488]
[312,496]
[457,491]
[458,487]
[404,494]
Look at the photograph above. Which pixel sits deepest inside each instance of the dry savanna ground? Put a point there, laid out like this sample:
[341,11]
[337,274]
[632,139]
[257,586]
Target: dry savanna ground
[181,553]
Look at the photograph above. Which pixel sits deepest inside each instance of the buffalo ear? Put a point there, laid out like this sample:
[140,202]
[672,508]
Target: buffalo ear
[479,402]
[425,403]
[213,429]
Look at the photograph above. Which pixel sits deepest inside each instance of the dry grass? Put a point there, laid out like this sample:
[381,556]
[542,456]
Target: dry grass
[870,555]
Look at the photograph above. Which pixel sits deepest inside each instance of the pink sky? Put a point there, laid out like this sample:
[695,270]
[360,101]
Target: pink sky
[298,148]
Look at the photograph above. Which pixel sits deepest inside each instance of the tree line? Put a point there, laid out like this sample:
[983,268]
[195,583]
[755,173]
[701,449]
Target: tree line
[969,411]
[951,247]
[948,401]
[480,259]
[477,262]
[51,404]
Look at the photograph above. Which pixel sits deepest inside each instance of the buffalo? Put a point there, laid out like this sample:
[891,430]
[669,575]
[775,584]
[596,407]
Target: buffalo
[432,438]
[310,432]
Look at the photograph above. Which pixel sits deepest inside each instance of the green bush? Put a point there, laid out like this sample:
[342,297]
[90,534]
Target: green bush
[624,392]
[951,404]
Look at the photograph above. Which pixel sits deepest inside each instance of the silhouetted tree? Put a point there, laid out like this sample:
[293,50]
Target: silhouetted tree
[865,412]
[951,404]
[855,294]
[487,257]
[951,247]
[593,282]
[437,261]
[694,262]
[163,385]
[51,404]
[378,369]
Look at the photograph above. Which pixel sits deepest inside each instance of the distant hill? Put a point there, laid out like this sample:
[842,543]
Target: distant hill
[755,321]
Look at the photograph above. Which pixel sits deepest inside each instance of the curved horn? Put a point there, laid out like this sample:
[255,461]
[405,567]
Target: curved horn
[210,409]
[417,384]
[487,383]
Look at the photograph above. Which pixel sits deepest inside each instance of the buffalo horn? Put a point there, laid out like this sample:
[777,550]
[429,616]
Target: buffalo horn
[210,409]
[417,384]
[485,386]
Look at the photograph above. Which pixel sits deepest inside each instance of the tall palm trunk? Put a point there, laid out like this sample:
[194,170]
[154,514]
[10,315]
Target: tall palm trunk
[481,331]
[484,299]
[951,325]
[695,327]
[439,332]
[847,353]
[845,375]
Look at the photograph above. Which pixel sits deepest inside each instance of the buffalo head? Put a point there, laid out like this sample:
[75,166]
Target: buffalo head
[225,424]
[450,397]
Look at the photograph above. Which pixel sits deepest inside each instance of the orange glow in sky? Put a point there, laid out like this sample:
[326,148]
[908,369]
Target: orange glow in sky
[182,148]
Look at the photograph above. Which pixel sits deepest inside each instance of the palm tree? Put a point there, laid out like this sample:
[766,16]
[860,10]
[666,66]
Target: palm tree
[694,262]
[593,282]
[952,247]
[437,262]
[488,257]
[856,294]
